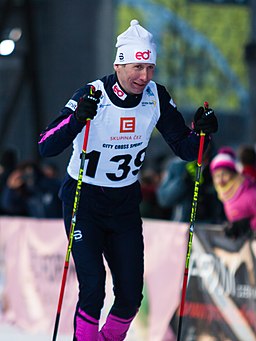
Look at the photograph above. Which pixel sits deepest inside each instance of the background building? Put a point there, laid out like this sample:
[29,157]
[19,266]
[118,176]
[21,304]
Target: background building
[206,52]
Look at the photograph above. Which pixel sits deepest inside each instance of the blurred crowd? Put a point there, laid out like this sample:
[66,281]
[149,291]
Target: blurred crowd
[227,192]
[28,188]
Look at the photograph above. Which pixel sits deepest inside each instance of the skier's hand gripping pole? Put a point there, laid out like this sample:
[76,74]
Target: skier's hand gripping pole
[192,226]
[74,214]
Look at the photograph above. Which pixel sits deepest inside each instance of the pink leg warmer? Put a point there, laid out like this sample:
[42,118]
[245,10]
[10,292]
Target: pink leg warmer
[86,327]
[115,328]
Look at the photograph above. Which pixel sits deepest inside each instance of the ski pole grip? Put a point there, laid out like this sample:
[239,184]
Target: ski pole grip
[206,106]
[92,91]
[202,136]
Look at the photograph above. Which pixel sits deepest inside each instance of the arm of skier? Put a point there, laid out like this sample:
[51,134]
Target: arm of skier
[72,119]
[183,141]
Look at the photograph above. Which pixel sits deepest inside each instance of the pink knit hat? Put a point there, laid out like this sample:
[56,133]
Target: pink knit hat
[227,150]
[223,160]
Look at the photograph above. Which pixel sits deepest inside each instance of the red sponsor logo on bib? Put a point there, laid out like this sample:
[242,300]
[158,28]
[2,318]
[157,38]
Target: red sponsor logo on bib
[127,124]
[118,91]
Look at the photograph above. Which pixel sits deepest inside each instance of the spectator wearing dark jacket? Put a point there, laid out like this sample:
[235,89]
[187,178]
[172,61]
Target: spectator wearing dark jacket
[28,192]
[175,192]
[8,162]
[247,157]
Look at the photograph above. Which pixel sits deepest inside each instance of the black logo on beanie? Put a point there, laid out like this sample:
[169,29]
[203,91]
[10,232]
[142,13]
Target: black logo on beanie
[121,56]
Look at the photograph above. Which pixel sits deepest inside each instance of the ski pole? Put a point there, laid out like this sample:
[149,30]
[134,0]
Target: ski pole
[191,227]
[73,223]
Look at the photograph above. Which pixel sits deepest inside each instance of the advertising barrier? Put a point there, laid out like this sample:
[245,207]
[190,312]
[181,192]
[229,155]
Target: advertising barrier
[221,294]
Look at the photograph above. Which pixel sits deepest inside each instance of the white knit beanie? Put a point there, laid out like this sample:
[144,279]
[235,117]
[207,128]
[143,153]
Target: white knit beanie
[135,45]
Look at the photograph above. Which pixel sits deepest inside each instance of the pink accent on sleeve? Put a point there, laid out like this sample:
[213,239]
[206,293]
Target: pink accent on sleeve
[52,131]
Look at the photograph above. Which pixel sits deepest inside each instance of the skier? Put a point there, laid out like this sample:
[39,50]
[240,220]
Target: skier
[124,109]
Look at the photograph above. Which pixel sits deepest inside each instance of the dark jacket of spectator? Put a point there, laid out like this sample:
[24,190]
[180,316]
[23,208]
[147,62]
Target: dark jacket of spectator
[28,192]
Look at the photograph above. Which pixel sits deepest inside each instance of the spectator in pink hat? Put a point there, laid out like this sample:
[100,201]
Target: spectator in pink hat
[237,193]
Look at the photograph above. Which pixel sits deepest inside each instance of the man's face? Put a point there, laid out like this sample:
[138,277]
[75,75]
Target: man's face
[134,77]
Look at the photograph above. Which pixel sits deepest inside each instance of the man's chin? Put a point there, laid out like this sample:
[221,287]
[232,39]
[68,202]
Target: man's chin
[138,90]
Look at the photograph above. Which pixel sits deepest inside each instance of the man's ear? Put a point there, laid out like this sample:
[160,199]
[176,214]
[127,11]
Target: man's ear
[116,67]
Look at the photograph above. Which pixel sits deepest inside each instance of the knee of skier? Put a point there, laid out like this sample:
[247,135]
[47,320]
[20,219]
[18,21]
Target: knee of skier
[92,295]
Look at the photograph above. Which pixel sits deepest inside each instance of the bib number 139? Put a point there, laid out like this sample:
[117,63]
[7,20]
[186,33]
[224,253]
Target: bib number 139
[123,164]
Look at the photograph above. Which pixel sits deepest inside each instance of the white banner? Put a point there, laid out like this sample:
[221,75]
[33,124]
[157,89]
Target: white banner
[34,254]
[221,293]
